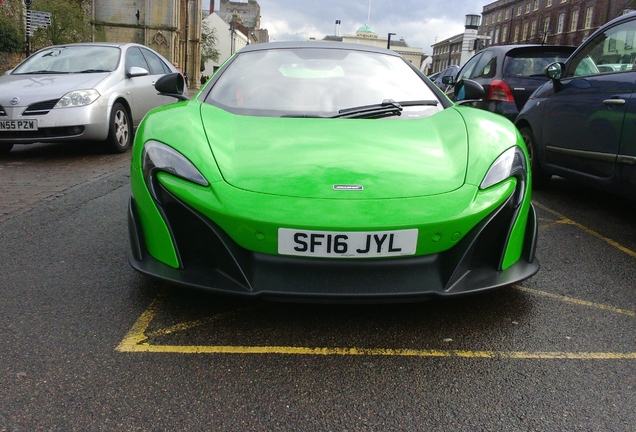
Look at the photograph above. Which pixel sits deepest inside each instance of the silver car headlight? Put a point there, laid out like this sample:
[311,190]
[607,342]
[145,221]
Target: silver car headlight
[77,98]
[159,157]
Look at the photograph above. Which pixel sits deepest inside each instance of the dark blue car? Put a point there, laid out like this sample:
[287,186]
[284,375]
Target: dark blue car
[581,125]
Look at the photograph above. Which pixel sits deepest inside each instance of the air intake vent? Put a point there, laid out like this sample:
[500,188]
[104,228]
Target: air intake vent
[40,108]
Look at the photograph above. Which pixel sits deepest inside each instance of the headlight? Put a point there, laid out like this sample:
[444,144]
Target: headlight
[511,163]
[77,98]
[160,157]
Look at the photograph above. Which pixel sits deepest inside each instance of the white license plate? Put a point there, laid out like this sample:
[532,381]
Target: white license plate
[347,244]
[18,125]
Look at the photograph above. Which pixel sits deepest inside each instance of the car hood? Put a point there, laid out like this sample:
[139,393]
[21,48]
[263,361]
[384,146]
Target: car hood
[339,158]
[36,88]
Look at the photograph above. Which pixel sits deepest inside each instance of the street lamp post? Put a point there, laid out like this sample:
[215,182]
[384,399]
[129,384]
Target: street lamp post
[388,42]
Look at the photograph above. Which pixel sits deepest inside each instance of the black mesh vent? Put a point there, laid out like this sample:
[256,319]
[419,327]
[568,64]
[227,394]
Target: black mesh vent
[40,108]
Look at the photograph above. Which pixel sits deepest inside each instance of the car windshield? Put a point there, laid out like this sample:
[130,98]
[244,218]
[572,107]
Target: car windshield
[70,59]
[532,63]
[322,82]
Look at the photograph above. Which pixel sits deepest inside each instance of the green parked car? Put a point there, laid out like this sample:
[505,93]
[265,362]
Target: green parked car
[331,172]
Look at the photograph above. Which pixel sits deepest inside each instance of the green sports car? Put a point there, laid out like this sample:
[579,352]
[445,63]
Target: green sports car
[333,172]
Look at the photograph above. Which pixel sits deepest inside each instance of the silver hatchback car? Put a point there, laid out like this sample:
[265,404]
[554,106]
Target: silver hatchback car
[86,91]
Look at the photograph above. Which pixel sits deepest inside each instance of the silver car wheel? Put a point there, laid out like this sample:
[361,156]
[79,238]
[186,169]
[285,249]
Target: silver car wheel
[120,131]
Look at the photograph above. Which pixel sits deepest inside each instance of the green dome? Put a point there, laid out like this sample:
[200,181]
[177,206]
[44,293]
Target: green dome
[365,29]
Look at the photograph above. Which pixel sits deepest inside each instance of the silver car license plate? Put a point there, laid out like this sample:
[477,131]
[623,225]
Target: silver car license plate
[347,244]
[18,125]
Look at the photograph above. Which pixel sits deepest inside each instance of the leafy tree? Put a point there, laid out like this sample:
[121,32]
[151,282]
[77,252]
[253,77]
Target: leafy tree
[208,45]
[11,31]
[69,23]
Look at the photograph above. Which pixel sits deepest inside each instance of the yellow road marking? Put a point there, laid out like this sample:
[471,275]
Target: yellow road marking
[576,301]
[567,221]
[136,339]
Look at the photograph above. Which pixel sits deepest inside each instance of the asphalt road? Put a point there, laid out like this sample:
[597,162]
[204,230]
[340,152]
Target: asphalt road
[87,344]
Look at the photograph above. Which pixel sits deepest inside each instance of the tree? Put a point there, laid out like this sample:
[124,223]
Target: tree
[208,45]
[11,32]
[69,24]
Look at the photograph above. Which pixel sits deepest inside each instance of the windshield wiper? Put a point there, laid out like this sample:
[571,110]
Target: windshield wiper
[43,72]
[387,108]
[93,71]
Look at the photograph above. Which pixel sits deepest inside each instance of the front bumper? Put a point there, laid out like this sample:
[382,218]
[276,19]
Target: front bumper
[60,124]
[211,260]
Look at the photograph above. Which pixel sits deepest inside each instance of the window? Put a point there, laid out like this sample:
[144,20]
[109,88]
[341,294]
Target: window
[134,58]
[527,7]
[515,36]
[533,28]
[589,13]
[504,34]
[157,66]
[609,52]
[536,5]
[546,25]
[496,38]
[519,11]
[548,3]
[563,1]
[560,23]
[499,16]
[575,20]
[507,14]
[468,67]
[487,66]
[524,35]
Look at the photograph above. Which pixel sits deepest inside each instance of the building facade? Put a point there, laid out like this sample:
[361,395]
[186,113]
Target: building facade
[170,27]
[247,14]
[366,36]
[456,50]
[555,22]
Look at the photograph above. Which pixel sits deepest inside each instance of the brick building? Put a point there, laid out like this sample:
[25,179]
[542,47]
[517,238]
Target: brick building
[557,22]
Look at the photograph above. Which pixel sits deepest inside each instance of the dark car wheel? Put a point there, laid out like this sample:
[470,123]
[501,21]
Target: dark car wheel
[539,177]
[120,130]
[5,149]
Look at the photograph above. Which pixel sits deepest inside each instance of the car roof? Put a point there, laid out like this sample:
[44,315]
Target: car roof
[503,49]
[312,44]
[111,44]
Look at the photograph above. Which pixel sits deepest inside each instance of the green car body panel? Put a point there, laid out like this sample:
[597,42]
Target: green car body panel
[424,196]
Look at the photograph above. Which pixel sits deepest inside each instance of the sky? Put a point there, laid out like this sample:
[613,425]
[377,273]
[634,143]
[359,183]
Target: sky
[420,22]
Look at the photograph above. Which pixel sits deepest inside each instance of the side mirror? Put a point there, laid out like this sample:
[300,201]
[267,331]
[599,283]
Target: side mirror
[136,71]
[448,80]
[467,91]
[554,71]
[171,85]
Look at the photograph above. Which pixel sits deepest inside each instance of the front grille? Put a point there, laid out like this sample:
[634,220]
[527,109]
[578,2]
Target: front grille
[40,108]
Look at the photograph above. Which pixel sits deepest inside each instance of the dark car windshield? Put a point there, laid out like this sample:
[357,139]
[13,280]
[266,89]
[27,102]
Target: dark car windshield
[320,82]
[531,63]
[70,59]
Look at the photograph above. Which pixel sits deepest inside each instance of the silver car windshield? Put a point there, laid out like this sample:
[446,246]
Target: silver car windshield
[70,59]
[322,82]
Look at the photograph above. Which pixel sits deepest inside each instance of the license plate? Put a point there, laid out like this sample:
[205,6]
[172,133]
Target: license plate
[18,125]
[347,244]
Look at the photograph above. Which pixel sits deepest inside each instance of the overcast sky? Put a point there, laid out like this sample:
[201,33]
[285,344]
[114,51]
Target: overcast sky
[420,22]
